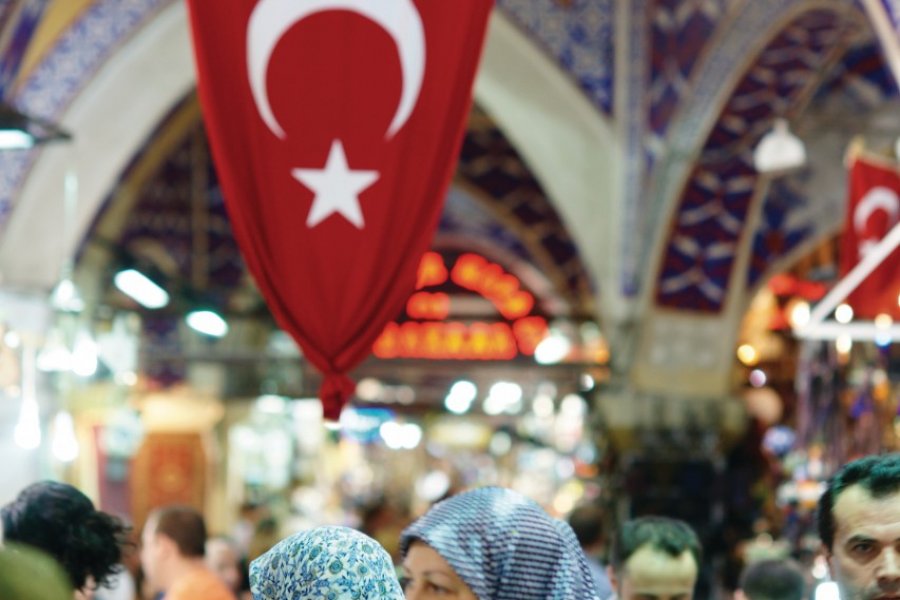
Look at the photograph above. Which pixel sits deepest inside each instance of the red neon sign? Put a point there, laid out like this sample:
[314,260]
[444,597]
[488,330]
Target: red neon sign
[432,270]
[529,332]
[451,340]
[432,338]
[425,305]
[473,272]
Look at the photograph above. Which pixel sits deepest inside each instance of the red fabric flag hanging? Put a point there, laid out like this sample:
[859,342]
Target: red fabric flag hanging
[335,127]
[873,208]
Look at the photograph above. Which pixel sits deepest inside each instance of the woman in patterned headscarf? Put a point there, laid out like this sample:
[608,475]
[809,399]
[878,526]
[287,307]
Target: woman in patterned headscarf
[493,544]
[336,563]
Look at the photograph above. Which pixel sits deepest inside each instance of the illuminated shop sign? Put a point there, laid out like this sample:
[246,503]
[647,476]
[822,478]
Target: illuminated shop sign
[431,334]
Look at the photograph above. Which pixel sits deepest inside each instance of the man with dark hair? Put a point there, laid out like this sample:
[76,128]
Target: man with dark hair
[172,556]
[655,558]
[859,525]
[772,579]
[587,523]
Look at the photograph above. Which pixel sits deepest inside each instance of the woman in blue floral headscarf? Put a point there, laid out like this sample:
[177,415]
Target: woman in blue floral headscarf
[333,563]
[493,544]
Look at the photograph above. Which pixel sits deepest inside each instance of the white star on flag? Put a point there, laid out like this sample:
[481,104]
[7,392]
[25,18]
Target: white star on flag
[336,188]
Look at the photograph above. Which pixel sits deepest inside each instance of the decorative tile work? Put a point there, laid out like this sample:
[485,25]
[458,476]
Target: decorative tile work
[862,76]
[782,226]
[81,51]
[666,41]
[634,198]
[679,30]
[18,20]
[701,249]
[465,217]
[488,161]
[164,216]
[712,85]
[705,232]
[578,34]
[76,56]
[863,81]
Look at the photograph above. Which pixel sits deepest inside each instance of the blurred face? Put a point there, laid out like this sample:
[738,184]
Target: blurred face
[85,594]
[427,576]
[223,561]
[150,553]
[865,557]
[651,574]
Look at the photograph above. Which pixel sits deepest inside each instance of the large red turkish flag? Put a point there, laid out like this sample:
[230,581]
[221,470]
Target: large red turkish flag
[873,208]
[335,127]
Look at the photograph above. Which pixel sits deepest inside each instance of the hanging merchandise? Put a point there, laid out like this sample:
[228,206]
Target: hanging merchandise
[335,127]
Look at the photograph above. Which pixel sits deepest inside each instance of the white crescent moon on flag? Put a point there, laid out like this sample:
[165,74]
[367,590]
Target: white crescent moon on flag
[878,197]
[271,19]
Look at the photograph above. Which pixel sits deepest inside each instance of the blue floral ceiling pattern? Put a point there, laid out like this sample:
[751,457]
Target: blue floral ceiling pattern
[579,35]
[64,71]
[703,240]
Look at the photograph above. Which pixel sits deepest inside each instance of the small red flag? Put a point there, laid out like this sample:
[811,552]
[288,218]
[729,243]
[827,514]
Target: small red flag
[873,208]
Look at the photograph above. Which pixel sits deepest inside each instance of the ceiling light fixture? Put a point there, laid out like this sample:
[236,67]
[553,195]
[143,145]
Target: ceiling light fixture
[141,289]
[19,131]
[207,322]
[779,150]
[65,296]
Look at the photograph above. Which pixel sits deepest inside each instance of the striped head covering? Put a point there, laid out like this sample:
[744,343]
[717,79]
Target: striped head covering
[505,547]
[336,563]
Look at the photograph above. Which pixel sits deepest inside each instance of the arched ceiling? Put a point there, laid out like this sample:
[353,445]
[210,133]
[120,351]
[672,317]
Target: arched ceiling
[88,73]
[723,228]
[167,218]
[714,206]
[635,118]
[490,164]
[167,214]
[578,36]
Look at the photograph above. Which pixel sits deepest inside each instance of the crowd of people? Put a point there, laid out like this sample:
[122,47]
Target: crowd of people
[487,543]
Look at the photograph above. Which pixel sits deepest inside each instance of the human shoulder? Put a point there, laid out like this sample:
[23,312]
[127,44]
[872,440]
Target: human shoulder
[200,583]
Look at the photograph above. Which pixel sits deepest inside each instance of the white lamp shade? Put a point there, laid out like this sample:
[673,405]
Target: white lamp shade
[779,150]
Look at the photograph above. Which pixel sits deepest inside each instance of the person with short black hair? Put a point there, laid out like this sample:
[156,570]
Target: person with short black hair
[587,523]
[172,556]
[772,579]
[859,525]
[655,558]
[61,521]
